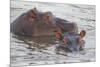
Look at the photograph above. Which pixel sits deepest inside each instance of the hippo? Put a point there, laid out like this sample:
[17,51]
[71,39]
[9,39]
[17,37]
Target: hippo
[72,41]
[36,23]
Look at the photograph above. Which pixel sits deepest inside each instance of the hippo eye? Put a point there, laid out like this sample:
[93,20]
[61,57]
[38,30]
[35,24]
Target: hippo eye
[46,18]
[33,17]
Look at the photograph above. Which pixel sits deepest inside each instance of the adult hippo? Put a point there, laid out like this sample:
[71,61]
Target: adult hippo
[36,23]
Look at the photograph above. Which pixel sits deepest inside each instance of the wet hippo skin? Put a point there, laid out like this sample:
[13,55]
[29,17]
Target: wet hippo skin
[36,23]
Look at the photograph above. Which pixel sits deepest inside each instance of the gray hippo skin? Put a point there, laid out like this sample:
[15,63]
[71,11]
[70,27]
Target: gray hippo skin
[36,23]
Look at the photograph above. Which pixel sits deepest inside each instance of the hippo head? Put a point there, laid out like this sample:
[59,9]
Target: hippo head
[74,42]
[43,23]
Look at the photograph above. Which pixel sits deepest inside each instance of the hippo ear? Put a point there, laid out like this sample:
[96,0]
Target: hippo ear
[82,33]
[34,10]
[48,17]
[32,14]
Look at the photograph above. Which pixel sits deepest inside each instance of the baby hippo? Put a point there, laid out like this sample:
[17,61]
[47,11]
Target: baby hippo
[72,41]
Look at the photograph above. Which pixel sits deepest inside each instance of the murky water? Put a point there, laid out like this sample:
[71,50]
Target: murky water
[28,51]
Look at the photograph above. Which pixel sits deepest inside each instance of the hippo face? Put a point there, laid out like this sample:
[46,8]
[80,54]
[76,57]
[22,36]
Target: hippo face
[73,41]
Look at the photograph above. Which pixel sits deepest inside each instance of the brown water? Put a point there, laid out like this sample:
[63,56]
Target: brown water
[35,51]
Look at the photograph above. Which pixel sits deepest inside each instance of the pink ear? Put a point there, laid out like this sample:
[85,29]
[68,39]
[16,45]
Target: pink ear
[82,33]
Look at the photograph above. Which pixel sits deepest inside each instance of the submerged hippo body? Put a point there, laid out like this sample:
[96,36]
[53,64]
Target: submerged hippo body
[35,23]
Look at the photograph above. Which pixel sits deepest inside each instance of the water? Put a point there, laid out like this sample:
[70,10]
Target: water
[28,51]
